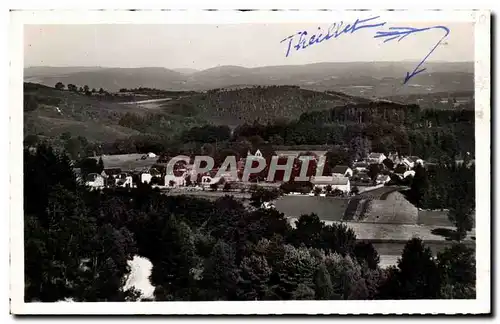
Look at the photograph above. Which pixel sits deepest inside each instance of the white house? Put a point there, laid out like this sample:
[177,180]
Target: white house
[124,180]
[342,170]
[94,181]
[147,176]
[376,158]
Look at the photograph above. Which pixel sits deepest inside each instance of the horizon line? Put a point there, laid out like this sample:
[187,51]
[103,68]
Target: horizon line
[240,66]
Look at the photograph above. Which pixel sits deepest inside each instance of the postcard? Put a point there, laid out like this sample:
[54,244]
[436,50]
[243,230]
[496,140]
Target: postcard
[250,162]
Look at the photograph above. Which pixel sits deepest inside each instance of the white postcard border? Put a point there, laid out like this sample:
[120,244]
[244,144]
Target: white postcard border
[482,98]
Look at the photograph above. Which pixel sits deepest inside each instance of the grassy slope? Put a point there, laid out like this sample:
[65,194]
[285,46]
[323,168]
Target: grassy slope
[95,118]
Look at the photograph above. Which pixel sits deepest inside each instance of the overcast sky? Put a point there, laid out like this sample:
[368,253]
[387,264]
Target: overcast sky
[249,45]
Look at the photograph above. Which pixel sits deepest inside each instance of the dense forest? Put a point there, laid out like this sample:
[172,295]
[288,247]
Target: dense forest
[78,243]
[431,135]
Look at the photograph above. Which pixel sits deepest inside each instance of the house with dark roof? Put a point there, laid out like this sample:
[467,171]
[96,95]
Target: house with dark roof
[342,170]
[360,166]
[296,153]
[111,172]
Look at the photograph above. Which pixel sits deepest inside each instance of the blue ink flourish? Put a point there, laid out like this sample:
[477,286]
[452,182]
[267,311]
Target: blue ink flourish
[337,29]
[400,33]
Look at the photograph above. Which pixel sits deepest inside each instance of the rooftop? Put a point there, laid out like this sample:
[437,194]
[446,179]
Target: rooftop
[331,180]
[375,155]
[341,169]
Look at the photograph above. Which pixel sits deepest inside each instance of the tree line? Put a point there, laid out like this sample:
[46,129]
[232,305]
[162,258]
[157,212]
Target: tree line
[85,89]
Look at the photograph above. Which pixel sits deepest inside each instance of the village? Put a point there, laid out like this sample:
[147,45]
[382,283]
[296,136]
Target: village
[374,171]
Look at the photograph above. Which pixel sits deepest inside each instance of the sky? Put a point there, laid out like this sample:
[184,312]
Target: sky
[248,45]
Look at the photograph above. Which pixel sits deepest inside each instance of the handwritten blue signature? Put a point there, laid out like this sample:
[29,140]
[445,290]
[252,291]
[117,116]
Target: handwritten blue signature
[337,29]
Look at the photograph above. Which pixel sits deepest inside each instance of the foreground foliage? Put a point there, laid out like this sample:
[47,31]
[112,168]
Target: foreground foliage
[78,243]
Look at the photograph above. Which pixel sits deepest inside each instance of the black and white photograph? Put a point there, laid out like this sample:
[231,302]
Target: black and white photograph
[175,161]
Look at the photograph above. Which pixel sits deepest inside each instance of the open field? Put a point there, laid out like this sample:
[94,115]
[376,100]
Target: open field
[389,239]
[390,252]
[434,217]
[147,104]
[210,195]
[127,162]
[393,232]
[54,127]
[327,208]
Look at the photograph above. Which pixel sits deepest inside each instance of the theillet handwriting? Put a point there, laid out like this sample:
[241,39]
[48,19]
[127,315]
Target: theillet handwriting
[337,29]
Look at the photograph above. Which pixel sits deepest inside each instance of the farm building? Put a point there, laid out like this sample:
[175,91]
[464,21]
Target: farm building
[336,182]
[360,166]
[341,183]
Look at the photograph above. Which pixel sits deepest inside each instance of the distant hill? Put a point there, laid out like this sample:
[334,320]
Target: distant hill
[367,79]
[265,104]
[46,71]
[113,79]
[186,71]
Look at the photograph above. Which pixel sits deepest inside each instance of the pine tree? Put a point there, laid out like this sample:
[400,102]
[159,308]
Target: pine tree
[172,266]
[100,165]
[419,186]
[220,275]
[418,275]
[253,282]
[323,284]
